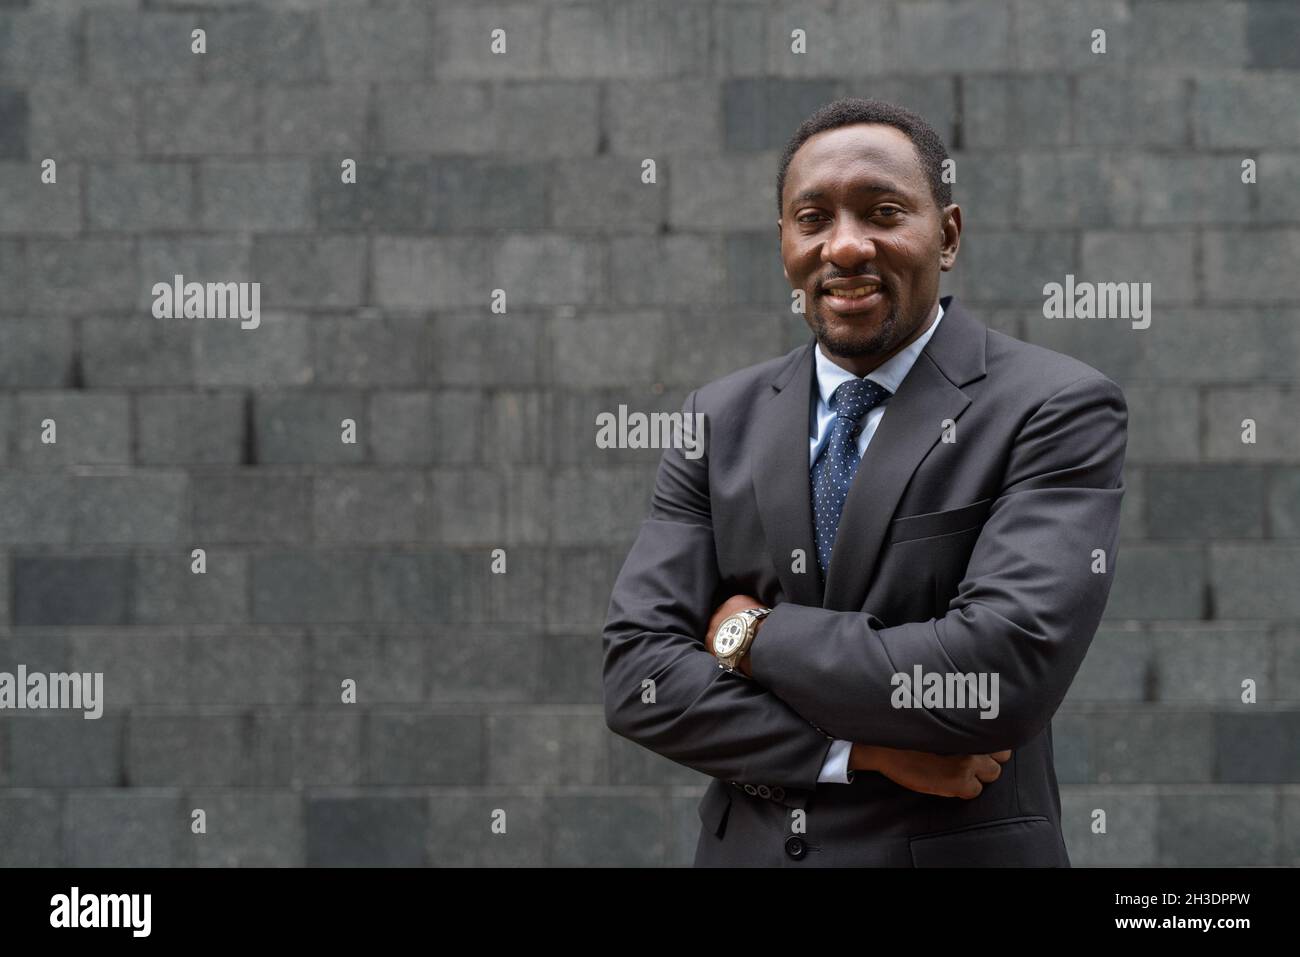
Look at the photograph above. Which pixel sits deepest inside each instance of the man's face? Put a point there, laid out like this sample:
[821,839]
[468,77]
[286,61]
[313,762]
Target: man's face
[857,211]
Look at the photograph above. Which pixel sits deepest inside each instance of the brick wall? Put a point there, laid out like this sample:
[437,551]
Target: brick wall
[475,431]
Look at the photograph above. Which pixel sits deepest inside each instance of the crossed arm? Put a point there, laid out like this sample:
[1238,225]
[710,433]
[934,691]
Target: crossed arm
[1029,605]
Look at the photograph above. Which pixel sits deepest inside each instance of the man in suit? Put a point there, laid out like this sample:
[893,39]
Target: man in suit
[910,495]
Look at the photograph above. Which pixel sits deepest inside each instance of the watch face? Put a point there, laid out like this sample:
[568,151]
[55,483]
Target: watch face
[730,634]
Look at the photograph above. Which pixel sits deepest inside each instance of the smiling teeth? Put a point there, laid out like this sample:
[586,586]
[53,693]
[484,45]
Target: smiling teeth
[854,293]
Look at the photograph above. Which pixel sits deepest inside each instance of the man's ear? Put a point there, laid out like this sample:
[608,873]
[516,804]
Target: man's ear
[951,238]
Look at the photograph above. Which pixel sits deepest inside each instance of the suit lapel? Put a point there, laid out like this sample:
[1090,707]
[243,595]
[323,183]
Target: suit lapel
[911,426]
[779,466]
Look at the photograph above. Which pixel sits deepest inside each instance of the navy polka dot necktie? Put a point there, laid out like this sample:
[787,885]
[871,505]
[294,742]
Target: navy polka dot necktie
[835,467]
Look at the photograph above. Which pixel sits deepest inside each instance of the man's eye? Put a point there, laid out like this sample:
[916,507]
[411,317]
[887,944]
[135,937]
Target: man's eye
[808,217]
[888,210]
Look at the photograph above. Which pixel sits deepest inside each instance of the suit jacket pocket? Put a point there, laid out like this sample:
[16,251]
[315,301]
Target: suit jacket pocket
[714,806]
[1028,841]
[930,524]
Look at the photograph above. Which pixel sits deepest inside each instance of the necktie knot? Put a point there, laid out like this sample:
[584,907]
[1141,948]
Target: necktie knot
[856,397]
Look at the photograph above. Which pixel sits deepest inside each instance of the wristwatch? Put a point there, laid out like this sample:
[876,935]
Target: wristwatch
[735,635]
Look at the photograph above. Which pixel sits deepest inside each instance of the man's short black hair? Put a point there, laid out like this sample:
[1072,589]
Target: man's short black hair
[849,110]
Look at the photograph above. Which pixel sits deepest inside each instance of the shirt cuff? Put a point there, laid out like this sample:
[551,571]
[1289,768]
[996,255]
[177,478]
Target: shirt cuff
[835,769]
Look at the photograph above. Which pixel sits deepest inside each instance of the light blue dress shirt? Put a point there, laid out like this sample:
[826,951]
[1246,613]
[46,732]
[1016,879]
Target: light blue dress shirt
[890,374]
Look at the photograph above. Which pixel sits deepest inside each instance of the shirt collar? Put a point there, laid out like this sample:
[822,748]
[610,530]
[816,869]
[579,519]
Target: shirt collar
[889,373]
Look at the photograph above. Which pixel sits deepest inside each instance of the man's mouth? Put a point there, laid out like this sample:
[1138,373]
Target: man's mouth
[858,298]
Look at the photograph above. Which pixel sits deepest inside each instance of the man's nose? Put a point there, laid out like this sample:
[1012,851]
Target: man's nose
[850,241]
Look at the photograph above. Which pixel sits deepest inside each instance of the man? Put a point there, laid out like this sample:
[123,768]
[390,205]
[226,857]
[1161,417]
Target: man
[910,496]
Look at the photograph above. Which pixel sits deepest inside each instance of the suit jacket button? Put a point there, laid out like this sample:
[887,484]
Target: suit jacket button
[764,791]
[778,793]
[795,847]
[750,789]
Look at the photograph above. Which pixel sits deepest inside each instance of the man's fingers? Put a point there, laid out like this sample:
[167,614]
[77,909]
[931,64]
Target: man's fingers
[1002,757]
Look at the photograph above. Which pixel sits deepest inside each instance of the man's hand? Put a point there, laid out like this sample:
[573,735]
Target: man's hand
[734,604]
[944,775]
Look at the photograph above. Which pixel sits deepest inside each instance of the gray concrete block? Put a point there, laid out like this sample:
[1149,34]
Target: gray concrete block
[486,665]
[186,750]
[1158,581]
[146,508]
[368,506]
[89,429]
[413,586]
[142,828]
[81,275]
[1217,827]
[389,193]
[1207,663]
[29,205]
[246,507]
[651,119]
[264,46]
[262,829]
[366,831]
[38,354]
[603,194]
[940,36]
[323,271]
[129,47]
[589,350]
[255,195]
[149,668]
[501,827]
[183,428]
[1052,36]
[403,748]
[1015,111]
[466,351]
[721,193]
[762,114]
[1257,748]
[138,197]
[571,670]
[1164,424]
[71,591]
[463,41]
[70,121]
[307,748]
[275,354]
[1014,266]
[1118,667]
[320,586]
[29,829]
[1149,746]
[545,269]
[1251,266]
[1130,815]
[391,41]
[63,749]
[293,427]
[1269,408]
[169,592]
[212,119]
[466,507]
[382,351]
[514,430]
[14,119]
[432,273]
[1245,109]
[387,669]
[625,40]
[312,120]
[606,829]
[441,118]
[1255,581]
[1205,503]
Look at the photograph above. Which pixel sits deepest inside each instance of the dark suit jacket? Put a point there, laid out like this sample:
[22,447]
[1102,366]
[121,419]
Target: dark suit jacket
[974,555]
